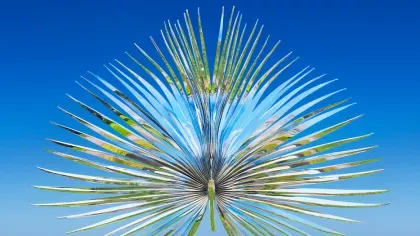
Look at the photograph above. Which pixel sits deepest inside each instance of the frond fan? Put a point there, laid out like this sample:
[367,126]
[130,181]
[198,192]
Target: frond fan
[182,136]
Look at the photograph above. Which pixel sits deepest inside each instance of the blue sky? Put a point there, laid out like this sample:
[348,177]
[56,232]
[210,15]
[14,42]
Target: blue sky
[372,47]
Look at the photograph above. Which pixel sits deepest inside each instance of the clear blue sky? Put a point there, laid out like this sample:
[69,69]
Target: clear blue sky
[373,47]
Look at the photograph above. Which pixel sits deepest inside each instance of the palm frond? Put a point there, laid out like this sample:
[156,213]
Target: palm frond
[190,137]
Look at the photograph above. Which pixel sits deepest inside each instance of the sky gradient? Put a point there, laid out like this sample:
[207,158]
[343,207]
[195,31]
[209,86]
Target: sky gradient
[372,48]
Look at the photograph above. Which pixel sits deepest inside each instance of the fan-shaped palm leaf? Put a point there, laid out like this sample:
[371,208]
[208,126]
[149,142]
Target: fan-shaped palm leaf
[189,138]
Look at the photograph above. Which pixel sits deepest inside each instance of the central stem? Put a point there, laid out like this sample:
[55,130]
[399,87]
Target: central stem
[211,191]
